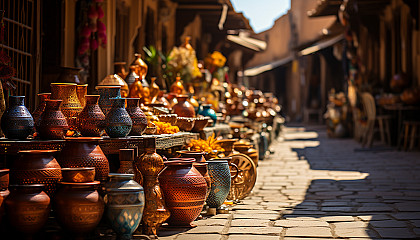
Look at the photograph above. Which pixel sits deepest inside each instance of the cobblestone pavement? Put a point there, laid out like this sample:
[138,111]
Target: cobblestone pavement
[314,187]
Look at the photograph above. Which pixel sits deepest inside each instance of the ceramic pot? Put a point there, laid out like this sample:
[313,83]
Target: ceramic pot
[124,204]
[200,164]
[115,80]
[78,207]
[117,122]
[185,123]
[78,175]
[227,145]
[107,92]
[84,152]
[41,106]
[183,108]
[207,111]
[91,119]
[37,167]
[81,91]
[140,67]
[220,182]
[126,158]
[171,97]
[177,86]
[27,208]
[168,118]
[140,89]
[184,189]
[137,116]
[70,106]
[17,122]
[69,75]
[200,123]
[52,123]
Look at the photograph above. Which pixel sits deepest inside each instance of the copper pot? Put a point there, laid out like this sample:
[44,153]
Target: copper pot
[91,120]
[52,123]
[70,106]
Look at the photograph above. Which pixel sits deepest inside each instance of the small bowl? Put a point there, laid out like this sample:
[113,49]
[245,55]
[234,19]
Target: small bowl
[168,118]
[185,123]
[200,124]
[78,175]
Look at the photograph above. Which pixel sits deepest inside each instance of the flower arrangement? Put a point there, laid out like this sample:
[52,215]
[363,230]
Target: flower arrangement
[183,60]
[215,63]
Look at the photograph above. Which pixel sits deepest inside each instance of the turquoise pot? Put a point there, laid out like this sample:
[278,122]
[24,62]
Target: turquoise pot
[220,182]
[106,93]
[118,122]
[207,111]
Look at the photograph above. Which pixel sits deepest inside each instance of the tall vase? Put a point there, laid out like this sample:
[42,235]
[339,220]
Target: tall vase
[137,116]
[117,122]
[183,108]
[81,91]
[184,189]
[107,92]
[124,204]
[17,122]
[69,75]
[91,119]
[41,106]
[115,80]
[147,167]
[220,182]
[177,86]
[52,123]
[207,111]
[85,152]
[154,90]
[70,106]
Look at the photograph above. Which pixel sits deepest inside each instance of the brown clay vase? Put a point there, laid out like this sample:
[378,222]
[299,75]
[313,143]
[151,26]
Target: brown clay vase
[81,91]
[91,120]
[52,123]
[183,108]
[200,164]
[27,208]
[71,105]
[137,116]
[227,145]
[147,167]
[184,189]
[41,105]
[85,152]
[36,167]
[78,207]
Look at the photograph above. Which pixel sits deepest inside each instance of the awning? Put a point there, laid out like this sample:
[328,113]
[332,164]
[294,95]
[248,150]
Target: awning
[254,71]
[248,42]
[321,44]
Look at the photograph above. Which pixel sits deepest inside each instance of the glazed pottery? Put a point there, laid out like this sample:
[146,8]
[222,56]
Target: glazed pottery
[220,182]
[91,120]
[185,123]
[131,76]
[17,122]
[207,111]
[126,158]
[137,116]
[154,89]
[69,75]
[81,91]
[119,68]
[124,204]
[115,80]
[41,106]
[78,175]
[184,189]
[36,167]
[84,152]
[183,108]
[70,106]
[147,167]
[27,208]
[117,122]
[177,86]
[107,92]
[52,123]
[78,207]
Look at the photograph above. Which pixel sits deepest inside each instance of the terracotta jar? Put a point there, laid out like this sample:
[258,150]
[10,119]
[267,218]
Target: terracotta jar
[27,208]
[177,86]
[37,167]
[78,207]
[85,152]
[70,106]
[126,158]
[69,75]
[52,123]
[91,119]
[137,116]
[183,108]
[17,122]
[124,204]
[107,92]
[41,106]
[200,164]
[117,122]
[154,90]
[81,91]
[220,182]
[184,189]
[147,168]
[115,80]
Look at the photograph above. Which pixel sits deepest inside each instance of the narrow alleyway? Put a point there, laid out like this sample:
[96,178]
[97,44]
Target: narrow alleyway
[321,188]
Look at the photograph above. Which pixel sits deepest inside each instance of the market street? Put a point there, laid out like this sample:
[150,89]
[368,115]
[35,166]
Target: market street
[321,188]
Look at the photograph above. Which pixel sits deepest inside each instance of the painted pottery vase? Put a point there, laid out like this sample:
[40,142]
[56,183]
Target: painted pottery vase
[85,152]
[131,76]
[220,182]
[115,80]
[70,106]
[91,119]
[69,75]
[81,91]
[137,116]
[147,167]
[17,122]
[183,108]
[4,192]
[124,204]
[200,164]
[52,123]
[41,106]
[154,90]
[184,189]
[117,122]
[119,68]
[207,111]
[78,175]
[107,92]
[78,207]
[177,86]
[27,208]
[126,158]
[37,167]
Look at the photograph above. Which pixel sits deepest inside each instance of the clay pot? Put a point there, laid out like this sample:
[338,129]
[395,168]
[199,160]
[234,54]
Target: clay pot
[183,108]
[107,92]
[81,91]
[185,123]
[140,89]
[220,182]
[131,76]
[78,175]
[124,204]
[17,122]
[117,122]
[137,116]
[91,119]
[126,158]
[4,179]
[200,164]
[37,167]
[70,106]
[52,123]
[200,123]
[78,207]
[184,189]
[27,208]
[115,80]
[69,75]
[84,152]
[41,106]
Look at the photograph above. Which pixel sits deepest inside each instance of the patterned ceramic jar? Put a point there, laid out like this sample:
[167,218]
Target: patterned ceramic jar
[220,182]
[106,93]
[17,122]
[118,122]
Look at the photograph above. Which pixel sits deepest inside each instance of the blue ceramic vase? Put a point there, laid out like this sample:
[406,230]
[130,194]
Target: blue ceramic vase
[106,93]
[207,111]
[17,122]
[220,182]
[118,122]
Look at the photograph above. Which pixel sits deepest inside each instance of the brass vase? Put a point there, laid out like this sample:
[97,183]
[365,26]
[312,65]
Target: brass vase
[81,91]
[70,106]
[177,86]
[119,68]
[154,90]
